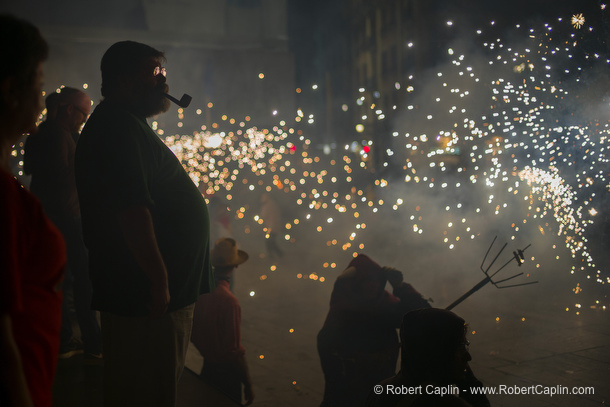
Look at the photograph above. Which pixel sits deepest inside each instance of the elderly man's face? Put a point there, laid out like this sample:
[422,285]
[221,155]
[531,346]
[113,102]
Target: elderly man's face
[149,88]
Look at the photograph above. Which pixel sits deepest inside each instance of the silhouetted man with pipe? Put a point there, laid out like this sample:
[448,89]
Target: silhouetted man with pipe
[147,229]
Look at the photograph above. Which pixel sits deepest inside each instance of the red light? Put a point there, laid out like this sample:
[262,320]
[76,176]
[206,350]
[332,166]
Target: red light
[366,149]
[293,148]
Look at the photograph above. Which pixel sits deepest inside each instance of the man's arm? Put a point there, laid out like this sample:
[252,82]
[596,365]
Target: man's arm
[242,365]
[410,298]
[232,338]
[137,227]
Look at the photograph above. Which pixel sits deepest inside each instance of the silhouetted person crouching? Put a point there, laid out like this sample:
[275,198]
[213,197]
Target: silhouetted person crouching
[434,366]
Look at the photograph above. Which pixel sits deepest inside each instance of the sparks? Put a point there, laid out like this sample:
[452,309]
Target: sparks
[578,20]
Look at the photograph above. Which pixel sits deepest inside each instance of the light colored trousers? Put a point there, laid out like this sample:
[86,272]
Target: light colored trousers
[144,357]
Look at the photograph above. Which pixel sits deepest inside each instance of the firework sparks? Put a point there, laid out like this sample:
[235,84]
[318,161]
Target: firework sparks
[578,20]
[496,130]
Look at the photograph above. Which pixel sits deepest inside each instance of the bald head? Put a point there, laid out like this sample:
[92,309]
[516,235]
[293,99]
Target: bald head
[74,108]
[75,97]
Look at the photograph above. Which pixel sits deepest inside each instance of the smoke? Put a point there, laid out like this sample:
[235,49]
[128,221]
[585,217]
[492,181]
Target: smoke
[506,136]
[487,146]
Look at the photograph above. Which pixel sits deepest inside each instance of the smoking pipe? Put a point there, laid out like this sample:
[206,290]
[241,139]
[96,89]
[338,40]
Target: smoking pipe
[184,101]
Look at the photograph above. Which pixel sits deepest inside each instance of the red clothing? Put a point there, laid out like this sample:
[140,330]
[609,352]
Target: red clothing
[216,325]
[32,261]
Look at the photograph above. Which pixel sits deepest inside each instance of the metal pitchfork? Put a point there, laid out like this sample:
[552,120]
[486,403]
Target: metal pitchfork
[517,255]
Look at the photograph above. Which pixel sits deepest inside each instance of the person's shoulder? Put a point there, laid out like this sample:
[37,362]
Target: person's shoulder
[110,120]
[224,298]
[220,298]
[110,112]
[46,131]
[42,129]
[9,184]
[225,293]
[16,198]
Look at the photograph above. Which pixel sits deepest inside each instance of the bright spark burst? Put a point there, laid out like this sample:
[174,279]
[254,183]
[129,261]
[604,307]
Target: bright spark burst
[578,20]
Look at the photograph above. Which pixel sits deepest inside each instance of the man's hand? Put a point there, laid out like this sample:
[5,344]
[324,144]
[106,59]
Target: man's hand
[159,300]
[139,232]
[394,276]
[248,395]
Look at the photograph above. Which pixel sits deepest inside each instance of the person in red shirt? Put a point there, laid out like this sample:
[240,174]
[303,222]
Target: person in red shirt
[32,251]
[216,327]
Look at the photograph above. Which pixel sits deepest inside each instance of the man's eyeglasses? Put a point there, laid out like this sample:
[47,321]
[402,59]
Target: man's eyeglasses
[81,111]
[160,70]
[78,109]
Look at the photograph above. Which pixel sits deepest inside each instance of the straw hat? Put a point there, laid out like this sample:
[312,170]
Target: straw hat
[226,254]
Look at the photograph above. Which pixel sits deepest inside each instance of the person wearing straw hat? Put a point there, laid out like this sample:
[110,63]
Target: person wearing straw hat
[217,327]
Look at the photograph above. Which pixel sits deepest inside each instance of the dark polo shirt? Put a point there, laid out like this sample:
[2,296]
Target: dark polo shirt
[120,162]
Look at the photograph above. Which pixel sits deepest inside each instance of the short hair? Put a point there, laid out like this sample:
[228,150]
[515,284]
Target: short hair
[22,49]
[51,102]
[122,58]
